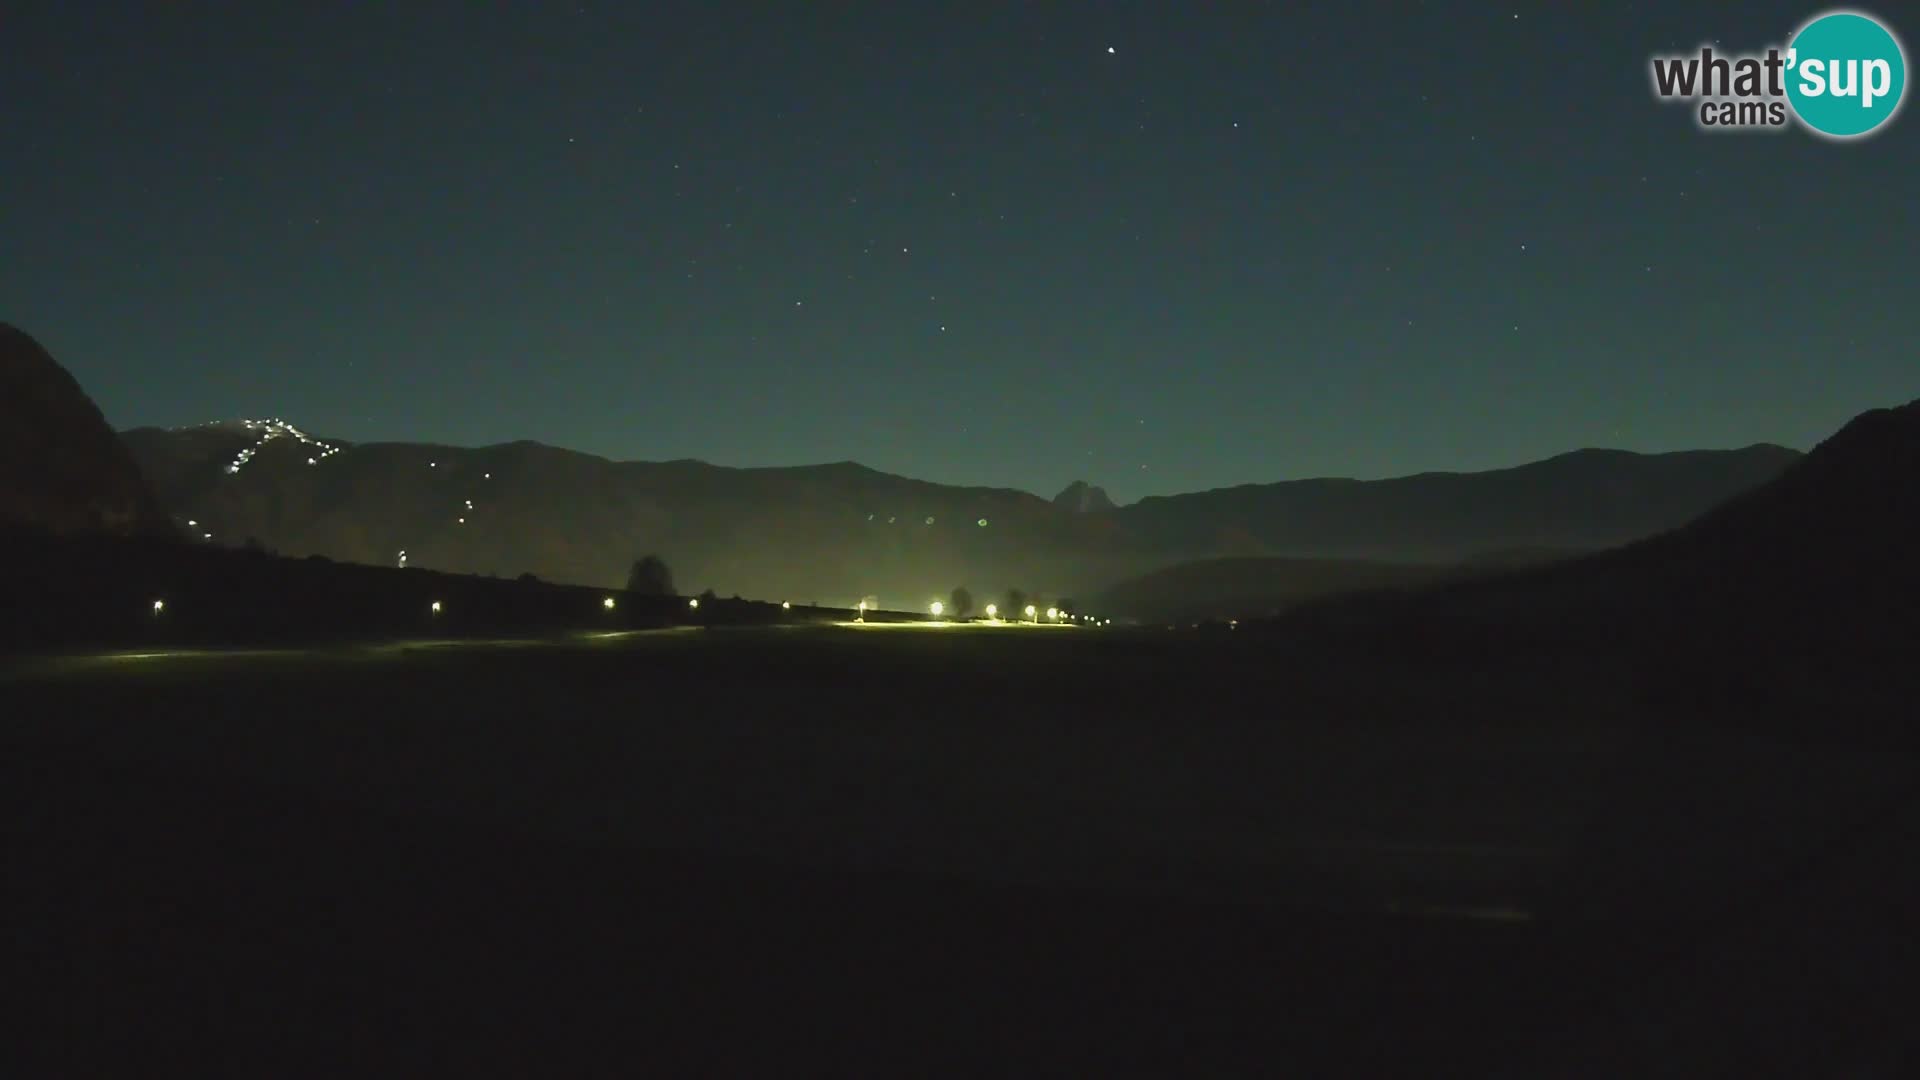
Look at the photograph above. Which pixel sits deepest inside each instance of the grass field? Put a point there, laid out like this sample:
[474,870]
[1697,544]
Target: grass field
[902,843]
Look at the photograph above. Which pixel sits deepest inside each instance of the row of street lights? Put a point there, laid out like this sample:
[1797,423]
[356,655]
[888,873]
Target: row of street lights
[1031,611]
[937,608]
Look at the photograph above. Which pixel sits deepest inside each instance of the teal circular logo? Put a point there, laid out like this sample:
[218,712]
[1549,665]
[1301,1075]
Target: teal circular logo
[1846,74]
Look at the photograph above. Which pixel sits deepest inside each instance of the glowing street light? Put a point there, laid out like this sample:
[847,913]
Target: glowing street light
[786,605]
[694,604]
[1030,612]
[1053,613]
[435,607]
[936,607]
[993,611]
[607,603]
[159,606]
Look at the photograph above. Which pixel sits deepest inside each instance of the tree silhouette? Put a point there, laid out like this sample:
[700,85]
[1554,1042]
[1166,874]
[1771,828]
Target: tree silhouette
[650,577]
[1016,604]
[961,603]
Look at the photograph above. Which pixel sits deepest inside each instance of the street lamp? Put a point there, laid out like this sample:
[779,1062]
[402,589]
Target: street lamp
[786,605]
[694,604]
[1053,613]
[936,607]
[435,607]
[993,611]
[607,603]
[159,606]
[1030,612]
[862,616]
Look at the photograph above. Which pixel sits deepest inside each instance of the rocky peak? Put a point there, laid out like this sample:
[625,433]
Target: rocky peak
[1081,497]
[62,468]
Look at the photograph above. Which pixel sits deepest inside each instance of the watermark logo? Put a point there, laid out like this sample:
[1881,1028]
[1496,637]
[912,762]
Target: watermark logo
[1842,75]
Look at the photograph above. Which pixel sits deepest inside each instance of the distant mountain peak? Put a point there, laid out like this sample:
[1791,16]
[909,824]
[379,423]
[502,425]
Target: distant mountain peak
[1081,497]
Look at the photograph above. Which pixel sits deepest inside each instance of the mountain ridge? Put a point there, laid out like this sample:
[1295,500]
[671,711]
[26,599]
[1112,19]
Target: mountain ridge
[842,530]
[1584,453]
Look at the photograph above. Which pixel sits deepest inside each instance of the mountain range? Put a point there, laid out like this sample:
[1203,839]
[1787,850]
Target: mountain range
[839,532]
[829,533]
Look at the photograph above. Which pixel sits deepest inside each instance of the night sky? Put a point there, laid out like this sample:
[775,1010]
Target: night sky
[1161,247]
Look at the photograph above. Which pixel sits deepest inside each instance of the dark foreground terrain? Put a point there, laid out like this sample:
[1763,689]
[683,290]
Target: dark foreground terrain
[881,849]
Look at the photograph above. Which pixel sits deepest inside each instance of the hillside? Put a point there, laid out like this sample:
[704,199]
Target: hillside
[830,532]
[1762,598]
[62,468]
[838,532]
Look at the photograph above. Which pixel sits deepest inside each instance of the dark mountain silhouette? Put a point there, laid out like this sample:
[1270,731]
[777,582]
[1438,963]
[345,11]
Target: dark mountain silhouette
[839,532]
[62,468]
[1825,555]
[1520,558]
[1081,497]
[1807,582]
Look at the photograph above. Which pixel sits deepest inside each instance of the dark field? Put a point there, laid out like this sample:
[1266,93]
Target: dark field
[874,849]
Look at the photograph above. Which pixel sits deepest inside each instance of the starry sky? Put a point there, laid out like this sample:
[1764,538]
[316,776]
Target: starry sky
[1159,246]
